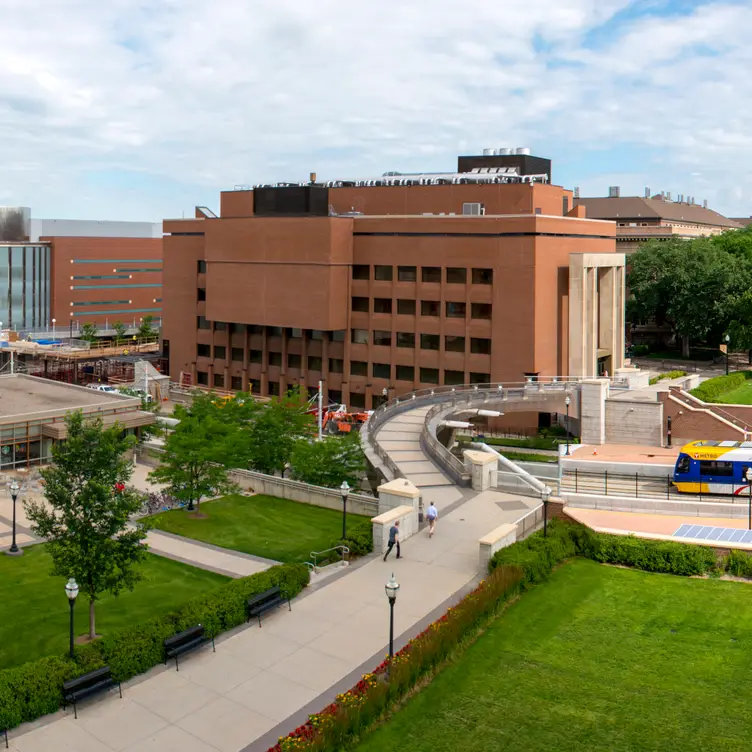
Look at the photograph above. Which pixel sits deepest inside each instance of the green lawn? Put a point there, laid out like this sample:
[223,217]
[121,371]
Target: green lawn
[527,456]
[600,658]
[740,396]
[34,613]
[261,525]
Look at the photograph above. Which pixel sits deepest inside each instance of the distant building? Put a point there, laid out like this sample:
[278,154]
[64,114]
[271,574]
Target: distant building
[85,228]
[639,219]
[744,221]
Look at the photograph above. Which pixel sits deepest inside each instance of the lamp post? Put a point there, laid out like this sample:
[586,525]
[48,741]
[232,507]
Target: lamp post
[727,339]
[568,402]
[545,496]
[14,549]
[391,588]
[53,328]
[71,590]
[749,483]
[344,489]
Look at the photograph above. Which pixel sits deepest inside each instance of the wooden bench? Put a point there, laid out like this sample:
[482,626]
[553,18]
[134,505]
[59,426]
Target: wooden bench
[89,684]
[185,642]
[266,601]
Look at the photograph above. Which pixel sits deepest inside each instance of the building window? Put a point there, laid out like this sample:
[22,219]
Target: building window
[336,365]
[359,336]
[381,370]
[405,339]
[382,339]
[405,373]
[565,206]
[237,383]
[220,352]
[357,400]
[429,375]
[482,276]
[360,305]
[480,311]
[314,363]
[382,305]
[430,341]
[454,344]
[254,386]
[455,275]
[219,380]
[317,335]
[203,351]
[358,368]
[274,331]
[480,345]
[361,271]
[456,310]
[429,307]
[383,273]
[202,378]
[255,356]
[407,274]
[335,395]
[237,328]
[275,358]
[202,266]
[431,274]
[337,335]
[220,326]
[294,361]
[294,333]
[201,294]
[237,354]
[202,323]
[406,307]
[454,378]
[273,389]
[480,378]
[255,329]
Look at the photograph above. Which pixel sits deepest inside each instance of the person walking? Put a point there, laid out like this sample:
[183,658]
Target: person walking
[432,515]
[393,540]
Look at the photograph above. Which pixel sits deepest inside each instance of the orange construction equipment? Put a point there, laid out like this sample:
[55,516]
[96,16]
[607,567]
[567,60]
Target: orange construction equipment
[340,421]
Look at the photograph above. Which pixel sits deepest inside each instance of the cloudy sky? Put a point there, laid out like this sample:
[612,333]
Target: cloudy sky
[142,109]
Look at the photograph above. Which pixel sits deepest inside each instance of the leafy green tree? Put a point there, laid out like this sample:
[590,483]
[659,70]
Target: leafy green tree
[329,462]
[195,452]
[89,333]
[120,329]
[86,522]
[145,329]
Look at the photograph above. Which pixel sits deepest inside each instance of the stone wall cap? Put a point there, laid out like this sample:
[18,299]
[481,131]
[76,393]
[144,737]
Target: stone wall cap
[400,487]
[393,514]
[479,458]
[497,534]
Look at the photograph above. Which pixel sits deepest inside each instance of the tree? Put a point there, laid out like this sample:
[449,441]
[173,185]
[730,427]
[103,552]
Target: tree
[329,462]
[89,333]
[86,525]
[120,330]
[146,330]
[192,465]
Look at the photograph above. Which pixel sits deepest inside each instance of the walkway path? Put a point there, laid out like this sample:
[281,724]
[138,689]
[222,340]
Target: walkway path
[262,682]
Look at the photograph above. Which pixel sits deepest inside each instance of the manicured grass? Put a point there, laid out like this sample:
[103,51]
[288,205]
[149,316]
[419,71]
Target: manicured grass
[740,396]
[265,526]
[528,456]
[533,442]
[599,658]
[34,613]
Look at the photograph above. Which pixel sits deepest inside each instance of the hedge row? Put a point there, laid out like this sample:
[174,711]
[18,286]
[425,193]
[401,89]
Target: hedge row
[716,387]
[35,689]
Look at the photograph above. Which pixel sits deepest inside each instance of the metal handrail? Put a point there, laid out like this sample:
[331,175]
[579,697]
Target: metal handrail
[314,567]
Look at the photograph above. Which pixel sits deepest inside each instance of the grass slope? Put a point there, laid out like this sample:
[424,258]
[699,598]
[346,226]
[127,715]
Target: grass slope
[265,526]
[34,614]
[599,658]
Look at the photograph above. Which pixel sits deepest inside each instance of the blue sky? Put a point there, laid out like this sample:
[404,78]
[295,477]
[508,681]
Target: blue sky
[142,109]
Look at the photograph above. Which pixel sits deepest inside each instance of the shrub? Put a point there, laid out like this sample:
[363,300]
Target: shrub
[739,564]
[668,375]
[34,689]
[639,350]
[716,387]
[359,538]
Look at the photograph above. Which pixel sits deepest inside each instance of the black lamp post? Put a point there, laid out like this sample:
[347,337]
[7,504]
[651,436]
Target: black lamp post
[545,495]
[344,489]
[728,339]
[14,549]
[568,402]
[71,590]
[749,483]
[391,588]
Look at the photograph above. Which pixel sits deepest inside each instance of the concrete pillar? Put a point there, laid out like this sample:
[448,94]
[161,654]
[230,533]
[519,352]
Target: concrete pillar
[397,493]
[593,396]
[619,324]
[591,323]
[483,467]
[607,313]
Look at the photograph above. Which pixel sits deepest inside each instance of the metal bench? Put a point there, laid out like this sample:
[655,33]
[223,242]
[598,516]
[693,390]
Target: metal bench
[266,601]
[89,684]
[185,642]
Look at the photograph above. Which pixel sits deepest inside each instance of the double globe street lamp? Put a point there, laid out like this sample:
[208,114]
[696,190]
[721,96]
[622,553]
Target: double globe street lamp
[391,588]
[14,549]
[344,490]
[71,590]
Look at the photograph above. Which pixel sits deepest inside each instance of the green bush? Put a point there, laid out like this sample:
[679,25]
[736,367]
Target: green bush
[639,350]
[739,564]
[34,689]
[716,387]
[359,538]
[668,375]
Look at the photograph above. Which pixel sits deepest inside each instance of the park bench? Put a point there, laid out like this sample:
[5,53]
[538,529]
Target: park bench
[266,601]
[89,684]
[185,642]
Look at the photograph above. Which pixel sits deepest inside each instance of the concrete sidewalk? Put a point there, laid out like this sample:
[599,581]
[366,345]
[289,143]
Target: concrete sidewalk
[261,682]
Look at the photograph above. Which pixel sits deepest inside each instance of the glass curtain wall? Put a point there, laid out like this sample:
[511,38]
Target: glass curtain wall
[24,286]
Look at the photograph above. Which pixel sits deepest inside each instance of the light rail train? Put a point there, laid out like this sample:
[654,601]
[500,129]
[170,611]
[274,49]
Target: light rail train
[714,467]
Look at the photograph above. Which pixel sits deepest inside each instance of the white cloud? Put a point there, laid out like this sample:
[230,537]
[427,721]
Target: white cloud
[206,95]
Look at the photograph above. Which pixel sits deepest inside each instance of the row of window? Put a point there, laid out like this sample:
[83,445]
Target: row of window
[453,275]
[316,335]
[452,343]
[453,310]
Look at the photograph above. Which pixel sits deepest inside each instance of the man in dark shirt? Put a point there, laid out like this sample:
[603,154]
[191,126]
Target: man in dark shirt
[393,540]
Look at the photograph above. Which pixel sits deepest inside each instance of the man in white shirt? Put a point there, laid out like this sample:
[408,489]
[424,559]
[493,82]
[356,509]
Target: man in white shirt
[432,515]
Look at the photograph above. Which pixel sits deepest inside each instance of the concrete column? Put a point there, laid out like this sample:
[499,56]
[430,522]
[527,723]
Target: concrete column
[591,323]
[397,493]
[483,467]
[607,315]
[619,325]
[577,300]
[593,396]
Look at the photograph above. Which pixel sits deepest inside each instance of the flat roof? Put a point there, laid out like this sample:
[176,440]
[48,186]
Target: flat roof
[25,397]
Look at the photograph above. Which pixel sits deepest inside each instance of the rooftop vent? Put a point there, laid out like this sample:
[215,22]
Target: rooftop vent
[522,150]
[614,191]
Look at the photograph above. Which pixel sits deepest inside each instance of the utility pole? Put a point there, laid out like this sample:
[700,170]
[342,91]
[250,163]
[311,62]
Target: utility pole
[321,410]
